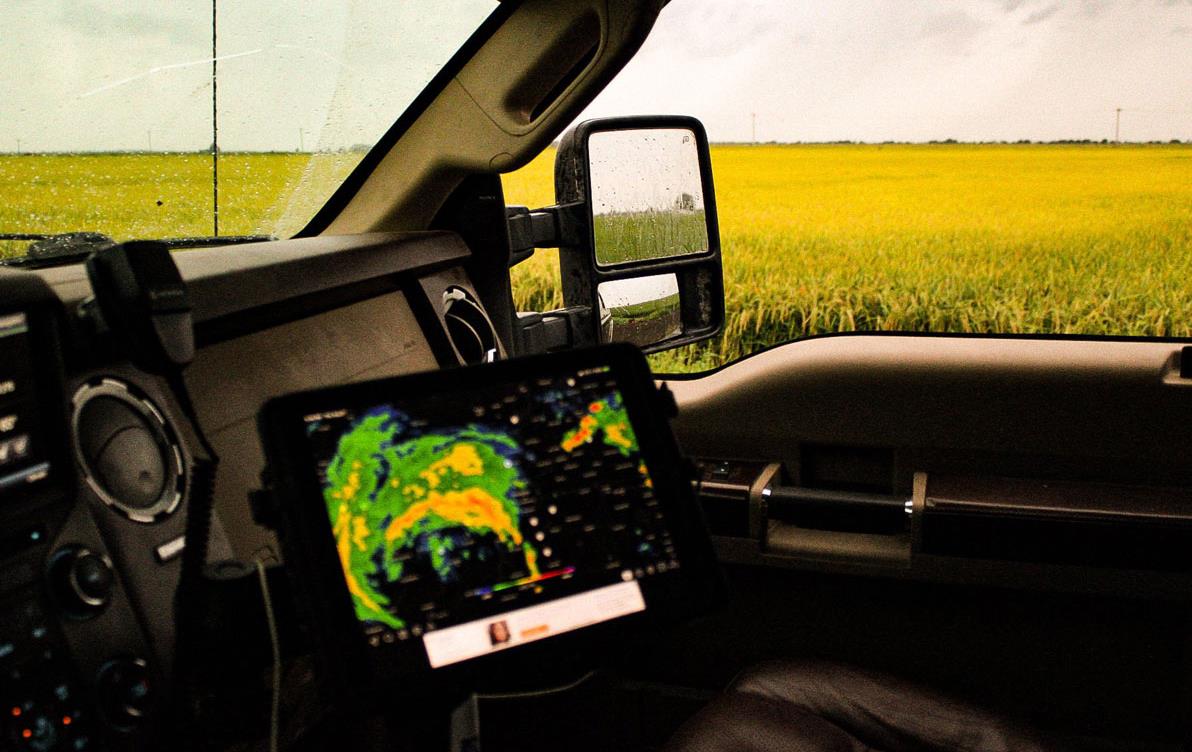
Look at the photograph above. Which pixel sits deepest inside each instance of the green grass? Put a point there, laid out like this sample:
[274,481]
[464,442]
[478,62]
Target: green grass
[648,309]
[644,236]
[129,196]
[647,323]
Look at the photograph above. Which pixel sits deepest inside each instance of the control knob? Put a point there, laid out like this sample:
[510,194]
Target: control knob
[125,692]
[81,581]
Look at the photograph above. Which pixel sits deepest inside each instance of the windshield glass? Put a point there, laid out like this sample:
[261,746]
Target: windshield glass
[233,117]
[979,167]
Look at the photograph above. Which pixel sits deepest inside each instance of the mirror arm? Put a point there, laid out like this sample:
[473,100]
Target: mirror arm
[559,329]
[571,225]
[549,227]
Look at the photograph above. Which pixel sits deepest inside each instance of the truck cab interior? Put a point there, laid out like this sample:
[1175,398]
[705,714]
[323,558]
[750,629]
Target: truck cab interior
[912,541]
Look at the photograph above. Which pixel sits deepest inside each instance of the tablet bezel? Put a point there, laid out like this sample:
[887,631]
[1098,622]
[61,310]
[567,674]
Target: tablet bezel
[402,669]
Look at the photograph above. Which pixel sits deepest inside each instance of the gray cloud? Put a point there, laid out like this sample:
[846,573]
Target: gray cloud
[722,30]
[101,21]
[1094,8]
[952,31]
[1041,15]
[869,70]
[930,69]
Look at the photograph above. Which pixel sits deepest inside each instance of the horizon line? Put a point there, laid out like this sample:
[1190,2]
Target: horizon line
[843,142]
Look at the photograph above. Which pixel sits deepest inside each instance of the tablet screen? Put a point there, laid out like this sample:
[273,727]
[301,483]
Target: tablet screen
[476,520]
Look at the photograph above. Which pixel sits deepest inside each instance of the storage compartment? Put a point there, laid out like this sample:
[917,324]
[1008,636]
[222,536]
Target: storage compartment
[1122,545]
[1070,523]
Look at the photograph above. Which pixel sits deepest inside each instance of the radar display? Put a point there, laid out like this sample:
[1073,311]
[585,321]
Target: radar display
[445,511]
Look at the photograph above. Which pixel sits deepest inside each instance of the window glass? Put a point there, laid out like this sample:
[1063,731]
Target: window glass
[113,120]
[1008,166]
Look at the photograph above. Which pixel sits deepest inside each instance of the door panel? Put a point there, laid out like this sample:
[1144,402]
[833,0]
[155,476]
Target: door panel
[1027,397]
[986,514]
[1020,462]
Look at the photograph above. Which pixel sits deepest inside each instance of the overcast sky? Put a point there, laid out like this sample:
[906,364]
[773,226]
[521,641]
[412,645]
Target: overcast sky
[117,74]
[917,70]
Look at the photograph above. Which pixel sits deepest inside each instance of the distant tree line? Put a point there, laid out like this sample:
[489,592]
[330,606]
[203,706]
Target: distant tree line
[1174,141]
[355,148]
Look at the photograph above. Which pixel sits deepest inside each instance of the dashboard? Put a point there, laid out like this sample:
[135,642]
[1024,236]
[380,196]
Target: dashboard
[95,454]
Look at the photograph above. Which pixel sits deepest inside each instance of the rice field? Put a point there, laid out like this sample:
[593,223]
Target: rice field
[1089,239]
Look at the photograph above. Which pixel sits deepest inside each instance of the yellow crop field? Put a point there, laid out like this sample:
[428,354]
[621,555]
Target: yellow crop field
[1088,239]
[1091,239]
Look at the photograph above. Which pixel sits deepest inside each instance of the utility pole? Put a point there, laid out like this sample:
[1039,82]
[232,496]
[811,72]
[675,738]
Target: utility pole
[1117,126]
[301,147]
[18,146]
[149,136]
[753,117]
[214,131]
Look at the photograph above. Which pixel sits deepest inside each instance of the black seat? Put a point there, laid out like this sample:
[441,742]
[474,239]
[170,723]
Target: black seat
[814,706]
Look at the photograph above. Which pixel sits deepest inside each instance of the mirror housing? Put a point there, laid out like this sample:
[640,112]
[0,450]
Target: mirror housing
[631,253]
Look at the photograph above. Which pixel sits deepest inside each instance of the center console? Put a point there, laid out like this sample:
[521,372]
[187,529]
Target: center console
[75,668]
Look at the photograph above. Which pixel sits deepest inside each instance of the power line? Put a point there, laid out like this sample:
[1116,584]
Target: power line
[1149,111]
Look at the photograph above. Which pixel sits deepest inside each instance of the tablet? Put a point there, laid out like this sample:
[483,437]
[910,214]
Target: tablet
[436,520]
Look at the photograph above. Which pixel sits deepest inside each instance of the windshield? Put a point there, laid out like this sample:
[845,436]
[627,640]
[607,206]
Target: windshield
[233,117]
[980,167]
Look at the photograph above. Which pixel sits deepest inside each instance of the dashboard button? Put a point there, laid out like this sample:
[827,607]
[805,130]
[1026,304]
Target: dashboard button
[125,692]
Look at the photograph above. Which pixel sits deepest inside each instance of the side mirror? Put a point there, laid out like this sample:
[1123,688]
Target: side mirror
[642,254]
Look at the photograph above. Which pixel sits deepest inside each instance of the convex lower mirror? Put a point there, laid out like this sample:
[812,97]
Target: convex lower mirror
[641,310]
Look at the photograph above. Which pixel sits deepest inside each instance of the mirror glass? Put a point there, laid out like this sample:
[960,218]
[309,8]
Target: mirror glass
[642,310]
[647,197]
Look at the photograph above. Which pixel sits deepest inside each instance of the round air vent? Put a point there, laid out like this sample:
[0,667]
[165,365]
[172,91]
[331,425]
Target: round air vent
[468,326]
[129,453]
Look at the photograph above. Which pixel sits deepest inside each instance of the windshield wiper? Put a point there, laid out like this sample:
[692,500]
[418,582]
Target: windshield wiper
[73,247]
[53,250]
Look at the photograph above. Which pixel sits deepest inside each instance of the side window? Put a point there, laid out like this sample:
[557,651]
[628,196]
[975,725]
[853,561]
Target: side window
[536,285]
[1001,167]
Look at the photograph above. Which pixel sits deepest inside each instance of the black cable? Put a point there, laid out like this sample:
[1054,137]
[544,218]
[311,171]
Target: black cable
[202,495]
[188,653]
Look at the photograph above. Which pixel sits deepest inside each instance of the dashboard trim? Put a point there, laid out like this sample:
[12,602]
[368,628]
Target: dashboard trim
[227,280]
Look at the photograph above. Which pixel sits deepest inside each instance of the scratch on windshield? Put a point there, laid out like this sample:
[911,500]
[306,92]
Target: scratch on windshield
[172,66]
